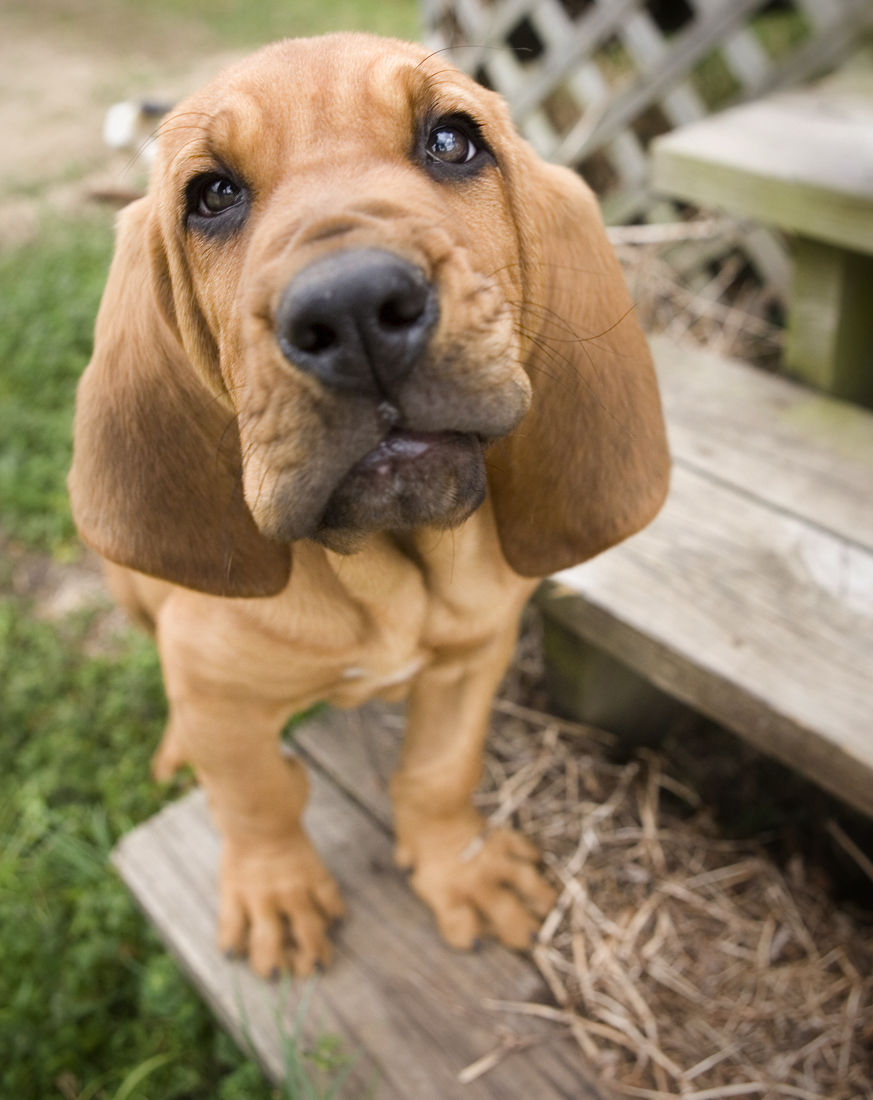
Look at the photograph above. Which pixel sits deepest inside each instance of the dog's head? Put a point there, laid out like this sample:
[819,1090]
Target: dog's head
[353,300]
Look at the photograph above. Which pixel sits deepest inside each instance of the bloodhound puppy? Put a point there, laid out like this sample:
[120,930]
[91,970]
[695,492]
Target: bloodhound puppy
[365,369]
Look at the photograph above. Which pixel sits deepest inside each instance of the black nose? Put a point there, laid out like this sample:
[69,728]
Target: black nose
[357,320]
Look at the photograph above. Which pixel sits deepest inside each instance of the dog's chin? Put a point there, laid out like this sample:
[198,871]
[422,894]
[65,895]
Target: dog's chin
[411,479]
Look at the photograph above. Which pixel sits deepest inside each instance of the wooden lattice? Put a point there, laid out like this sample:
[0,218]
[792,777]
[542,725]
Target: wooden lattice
[591,82]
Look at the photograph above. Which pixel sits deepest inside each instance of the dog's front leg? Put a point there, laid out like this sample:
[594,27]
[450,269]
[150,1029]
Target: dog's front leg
[272,881]
[476,880]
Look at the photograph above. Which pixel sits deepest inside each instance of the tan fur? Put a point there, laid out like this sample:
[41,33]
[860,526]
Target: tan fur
[202,455]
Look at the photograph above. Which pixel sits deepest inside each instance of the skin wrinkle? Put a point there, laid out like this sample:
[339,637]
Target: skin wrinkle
[205,460]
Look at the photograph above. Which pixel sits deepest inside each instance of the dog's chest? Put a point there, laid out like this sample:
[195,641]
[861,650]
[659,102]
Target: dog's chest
[384,597]
[347,629]
[366,625]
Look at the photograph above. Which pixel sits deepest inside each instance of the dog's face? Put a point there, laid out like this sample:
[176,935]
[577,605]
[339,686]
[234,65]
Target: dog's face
[354,300]
[350,267]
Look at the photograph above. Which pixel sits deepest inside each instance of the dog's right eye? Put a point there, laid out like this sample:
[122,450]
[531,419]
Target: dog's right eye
[217,204]
[217,195]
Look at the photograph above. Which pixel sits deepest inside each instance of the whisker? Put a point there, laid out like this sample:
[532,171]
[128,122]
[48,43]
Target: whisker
[470,46]
[220,444]
[159,131]
[554,357]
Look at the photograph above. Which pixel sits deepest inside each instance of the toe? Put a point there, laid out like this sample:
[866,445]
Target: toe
[519,846]
[231,925]
[312,946]
[510,920]
[531,886]
[266,941]
[329,899]
[403,856]
[459,925]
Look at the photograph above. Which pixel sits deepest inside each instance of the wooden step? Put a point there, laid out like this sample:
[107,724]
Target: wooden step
[750,597]
[411,1006]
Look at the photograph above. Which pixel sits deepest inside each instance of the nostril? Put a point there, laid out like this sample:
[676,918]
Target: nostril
[402,310]
[314,337]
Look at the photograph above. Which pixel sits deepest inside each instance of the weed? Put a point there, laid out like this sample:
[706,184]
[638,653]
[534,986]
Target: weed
[315,1072]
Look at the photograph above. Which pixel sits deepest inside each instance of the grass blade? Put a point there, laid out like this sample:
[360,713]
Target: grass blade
[139,1074]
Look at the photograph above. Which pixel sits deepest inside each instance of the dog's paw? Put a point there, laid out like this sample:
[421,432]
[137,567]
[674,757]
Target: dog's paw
[277,902]
[485,883]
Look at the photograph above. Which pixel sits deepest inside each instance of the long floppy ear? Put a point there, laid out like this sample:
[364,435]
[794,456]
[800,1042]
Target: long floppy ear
[589,464]
[155,480]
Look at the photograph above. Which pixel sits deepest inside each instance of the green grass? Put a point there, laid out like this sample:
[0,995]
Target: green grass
[87,993]
[49,292]
[248,23]
[185,26]
[86,990]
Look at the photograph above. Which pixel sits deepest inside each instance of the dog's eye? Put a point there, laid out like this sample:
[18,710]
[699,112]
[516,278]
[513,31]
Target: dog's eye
[217,195]
[450,145]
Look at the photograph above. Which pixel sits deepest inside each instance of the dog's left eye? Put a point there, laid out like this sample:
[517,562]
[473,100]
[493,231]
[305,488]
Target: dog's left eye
[217,195]
[450,145]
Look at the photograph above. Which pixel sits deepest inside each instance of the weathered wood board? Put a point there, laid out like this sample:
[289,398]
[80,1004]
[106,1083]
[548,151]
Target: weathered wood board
[412,1006]
[802,161]
[750,597]
[799,160]
[799,451]
[357,750]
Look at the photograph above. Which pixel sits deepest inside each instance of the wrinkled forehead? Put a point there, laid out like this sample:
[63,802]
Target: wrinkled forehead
[305,99]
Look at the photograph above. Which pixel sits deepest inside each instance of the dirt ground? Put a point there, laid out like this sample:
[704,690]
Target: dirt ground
[59,72]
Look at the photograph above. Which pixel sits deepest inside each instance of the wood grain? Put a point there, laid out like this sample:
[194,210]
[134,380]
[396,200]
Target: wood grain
[829,341]
[799,160]
[802,452]
[752,616]
[395,992]
[357,749]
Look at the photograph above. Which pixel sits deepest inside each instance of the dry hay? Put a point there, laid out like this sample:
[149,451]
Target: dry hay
[682,963]
[691,281]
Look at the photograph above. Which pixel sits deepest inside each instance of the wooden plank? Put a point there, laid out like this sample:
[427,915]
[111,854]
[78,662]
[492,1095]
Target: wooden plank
[799,451]
[830,324]
[357,750]
[753,616]
[802,161]
[412,1005]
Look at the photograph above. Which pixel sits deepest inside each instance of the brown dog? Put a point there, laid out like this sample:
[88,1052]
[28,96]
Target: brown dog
[364,366]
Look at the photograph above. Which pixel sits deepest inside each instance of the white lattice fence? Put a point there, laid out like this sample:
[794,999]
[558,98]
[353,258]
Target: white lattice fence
[590,82]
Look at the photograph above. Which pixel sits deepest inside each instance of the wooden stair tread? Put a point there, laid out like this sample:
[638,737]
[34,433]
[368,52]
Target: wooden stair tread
[395,992]
[802,160]
[789,446]
[750,597]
